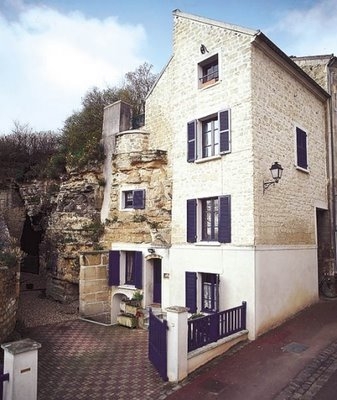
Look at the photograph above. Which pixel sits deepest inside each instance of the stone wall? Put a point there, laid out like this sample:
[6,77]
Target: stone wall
[94,291]
[136,166]
[285,214]
[74,226]
[9,299]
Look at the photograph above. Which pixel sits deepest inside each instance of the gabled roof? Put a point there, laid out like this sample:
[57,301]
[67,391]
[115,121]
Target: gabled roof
[264,44]
[235,28]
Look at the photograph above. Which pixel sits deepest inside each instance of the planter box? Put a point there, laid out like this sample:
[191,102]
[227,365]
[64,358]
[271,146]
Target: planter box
[129,321]
[130,309]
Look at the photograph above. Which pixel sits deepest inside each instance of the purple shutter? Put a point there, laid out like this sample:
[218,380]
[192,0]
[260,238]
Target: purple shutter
[191,141]
[139,199]
[114,268]
[191,291]
[224,131]
[138,265]
[301,144]
[224,235]
[191,220]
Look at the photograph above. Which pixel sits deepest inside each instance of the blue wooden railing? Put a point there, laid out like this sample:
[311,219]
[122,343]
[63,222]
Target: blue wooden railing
[212,327]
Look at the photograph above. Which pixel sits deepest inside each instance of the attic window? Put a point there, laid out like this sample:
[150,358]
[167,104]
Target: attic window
[208,71]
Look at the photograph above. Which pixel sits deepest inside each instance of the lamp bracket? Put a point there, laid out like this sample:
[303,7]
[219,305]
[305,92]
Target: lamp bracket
[267,184]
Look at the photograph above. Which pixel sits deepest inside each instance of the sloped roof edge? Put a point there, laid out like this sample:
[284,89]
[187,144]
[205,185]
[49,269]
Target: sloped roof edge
[158,77]
[213,22]
[265,44]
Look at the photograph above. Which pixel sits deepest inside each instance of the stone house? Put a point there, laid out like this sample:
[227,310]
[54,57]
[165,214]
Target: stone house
[189,218]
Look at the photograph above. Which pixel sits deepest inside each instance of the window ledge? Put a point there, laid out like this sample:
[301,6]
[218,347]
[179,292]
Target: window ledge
[307,171]
[202,160]
[209,84]
[129,287]
[209,244]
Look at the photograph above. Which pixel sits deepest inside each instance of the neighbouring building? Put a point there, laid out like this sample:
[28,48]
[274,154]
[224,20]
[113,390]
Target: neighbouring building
[193,217]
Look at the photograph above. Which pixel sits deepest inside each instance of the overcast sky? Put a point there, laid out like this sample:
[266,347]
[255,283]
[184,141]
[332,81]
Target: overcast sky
[53,51]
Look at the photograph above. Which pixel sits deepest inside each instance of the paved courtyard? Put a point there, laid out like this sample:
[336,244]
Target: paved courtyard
[83,360]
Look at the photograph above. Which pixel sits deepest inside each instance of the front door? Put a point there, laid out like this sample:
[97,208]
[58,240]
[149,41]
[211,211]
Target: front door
[157,281]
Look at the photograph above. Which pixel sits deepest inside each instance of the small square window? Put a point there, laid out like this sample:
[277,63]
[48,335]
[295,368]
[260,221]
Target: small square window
[208,71]
[133,199]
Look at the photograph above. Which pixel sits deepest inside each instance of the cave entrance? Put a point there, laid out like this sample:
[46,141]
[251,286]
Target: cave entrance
[30,242]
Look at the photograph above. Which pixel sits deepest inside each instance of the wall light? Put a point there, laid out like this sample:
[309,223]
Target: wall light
[203,49]
[276,173]
[151,250]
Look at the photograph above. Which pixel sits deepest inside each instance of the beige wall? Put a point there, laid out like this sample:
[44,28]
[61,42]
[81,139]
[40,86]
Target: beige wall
[285,214]
[272,260]
[178,100]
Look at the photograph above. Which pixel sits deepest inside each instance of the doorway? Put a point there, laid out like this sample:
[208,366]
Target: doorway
[157,281]
[30,243]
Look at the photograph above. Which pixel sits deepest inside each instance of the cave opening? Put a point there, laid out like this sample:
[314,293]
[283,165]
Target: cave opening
[30,243]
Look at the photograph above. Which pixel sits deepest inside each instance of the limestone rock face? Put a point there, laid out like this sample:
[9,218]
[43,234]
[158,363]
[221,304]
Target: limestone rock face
[73,226]
[145,169]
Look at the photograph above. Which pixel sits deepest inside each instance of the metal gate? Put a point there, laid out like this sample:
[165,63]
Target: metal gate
[158,344]
[3,378]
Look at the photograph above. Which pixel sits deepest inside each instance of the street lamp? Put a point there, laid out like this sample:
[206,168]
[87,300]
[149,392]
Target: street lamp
[276,173]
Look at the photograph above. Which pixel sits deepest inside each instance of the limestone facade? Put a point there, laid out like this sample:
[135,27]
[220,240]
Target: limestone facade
[277,239]
[271,259]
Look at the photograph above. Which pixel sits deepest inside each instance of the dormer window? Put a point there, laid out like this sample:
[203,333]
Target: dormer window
[209,71]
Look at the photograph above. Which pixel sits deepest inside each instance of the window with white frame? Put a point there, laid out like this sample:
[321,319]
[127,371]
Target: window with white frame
[129,268]
[133,199]
[209,292]
[209,219]
[209,136]
[301,148]
[202,292]
[126,268]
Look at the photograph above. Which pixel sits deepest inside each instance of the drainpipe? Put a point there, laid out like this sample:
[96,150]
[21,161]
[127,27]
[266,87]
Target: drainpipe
[332,110]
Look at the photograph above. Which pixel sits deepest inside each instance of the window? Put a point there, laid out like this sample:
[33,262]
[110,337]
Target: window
[301,148]
[203,296]
[129,268]
[208,71]
[210,215]
[133,199]
[125,268]
[209,292]
[208,136]
[209,219]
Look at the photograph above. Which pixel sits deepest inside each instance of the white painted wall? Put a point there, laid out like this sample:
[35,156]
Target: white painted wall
[234,265]
[286,282]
